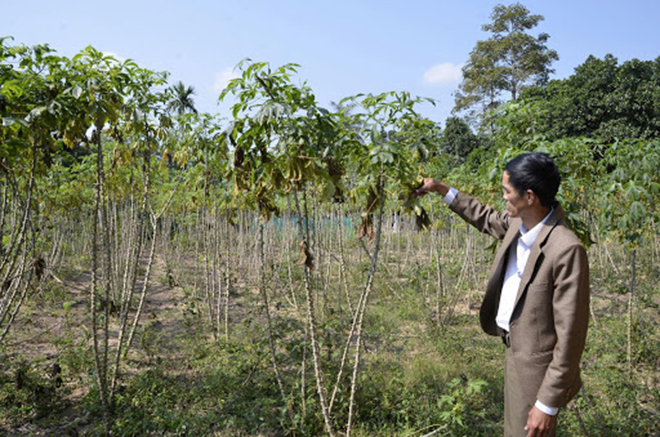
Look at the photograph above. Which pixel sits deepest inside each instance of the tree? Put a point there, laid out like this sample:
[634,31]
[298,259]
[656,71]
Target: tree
[602,100]
[182,100]
[180,103]
[458,139]
[510,60]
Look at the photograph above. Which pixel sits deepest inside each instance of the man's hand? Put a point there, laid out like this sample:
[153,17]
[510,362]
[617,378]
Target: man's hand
[539,424]
[430,185]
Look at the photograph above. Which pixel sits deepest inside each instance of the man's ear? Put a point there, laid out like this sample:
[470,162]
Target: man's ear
[530,197]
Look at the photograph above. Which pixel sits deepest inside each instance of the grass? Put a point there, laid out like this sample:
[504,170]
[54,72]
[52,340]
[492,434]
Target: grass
[416,376]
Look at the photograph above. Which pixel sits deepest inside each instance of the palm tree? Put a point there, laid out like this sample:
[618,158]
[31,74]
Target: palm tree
[182,101]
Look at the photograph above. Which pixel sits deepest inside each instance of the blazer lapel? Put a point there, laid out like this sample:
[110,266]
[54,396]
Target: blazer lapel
[536,251]
[491,299]
[499,265]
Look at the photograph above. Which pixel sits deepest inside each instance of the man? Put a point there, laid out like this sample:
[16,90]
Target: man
[537,298]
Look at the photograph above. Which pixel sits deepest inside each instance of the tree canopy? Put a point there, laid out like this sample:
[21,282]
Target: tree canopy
[507,62]
[181,100]
[603,99]
[458,139]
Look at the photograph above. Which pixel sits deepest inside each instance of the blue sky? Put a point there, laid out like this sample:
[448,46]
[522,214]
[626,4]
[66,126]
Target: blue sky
[343,47]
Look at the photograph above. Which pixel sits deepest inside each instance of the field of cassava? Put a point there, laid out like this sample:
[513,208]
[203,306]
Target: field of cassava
[171,273]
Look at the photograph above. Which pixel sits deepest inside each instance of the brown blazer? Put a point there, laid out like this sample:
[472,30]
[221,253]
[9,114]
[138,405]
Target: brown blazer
[548,326]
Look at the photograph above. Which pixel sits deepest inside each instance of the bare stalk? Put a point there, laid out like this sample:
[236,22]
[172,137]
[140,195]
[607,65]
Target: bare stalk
[228,285]
[3,207]
[209,284]
[145,284]
[440,283]
[631,299]
[264,294]
[347,346]
[459,282]
[311,320]
[11,308]
[14,250]
[99,242]
[147,274]
[342,262]
[131,268]
[361,310]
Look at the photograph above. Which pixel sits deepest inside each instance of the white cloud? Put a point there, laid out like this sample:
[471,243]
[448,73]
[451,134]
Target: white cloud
[222,79]
[120,59]
[445,73]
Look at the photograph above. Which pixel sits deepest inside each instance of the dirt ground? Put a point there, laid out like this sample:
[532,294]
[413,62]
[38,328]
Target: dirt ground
[55,326]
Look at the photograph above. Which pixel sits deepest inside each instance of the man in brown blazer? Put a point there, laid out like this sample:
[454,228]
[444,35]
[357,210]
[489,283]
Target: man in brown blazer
[537,298]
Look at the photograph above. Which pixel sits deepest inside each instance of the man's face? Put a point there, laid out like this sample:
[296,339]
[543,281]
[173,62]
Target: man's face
[515,203]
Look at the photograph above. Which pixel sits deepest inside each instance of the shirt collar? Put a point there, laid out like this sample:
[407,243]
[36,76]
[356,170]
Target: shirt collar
[527,237]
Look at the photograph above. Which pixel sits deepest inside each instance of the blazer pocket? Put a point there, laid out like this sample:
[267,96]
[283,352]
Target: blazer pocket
[543,355]
[539,285]
[538,305]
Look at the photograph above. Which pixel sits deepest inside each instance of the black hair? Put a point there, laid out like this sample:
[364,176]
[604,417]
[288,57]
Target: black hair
[534,171]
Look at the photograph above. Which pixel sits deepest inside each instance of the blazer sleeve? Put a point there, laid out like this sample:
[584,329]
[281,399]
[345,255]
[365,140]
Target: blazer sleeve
[483,217]
[570,304]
